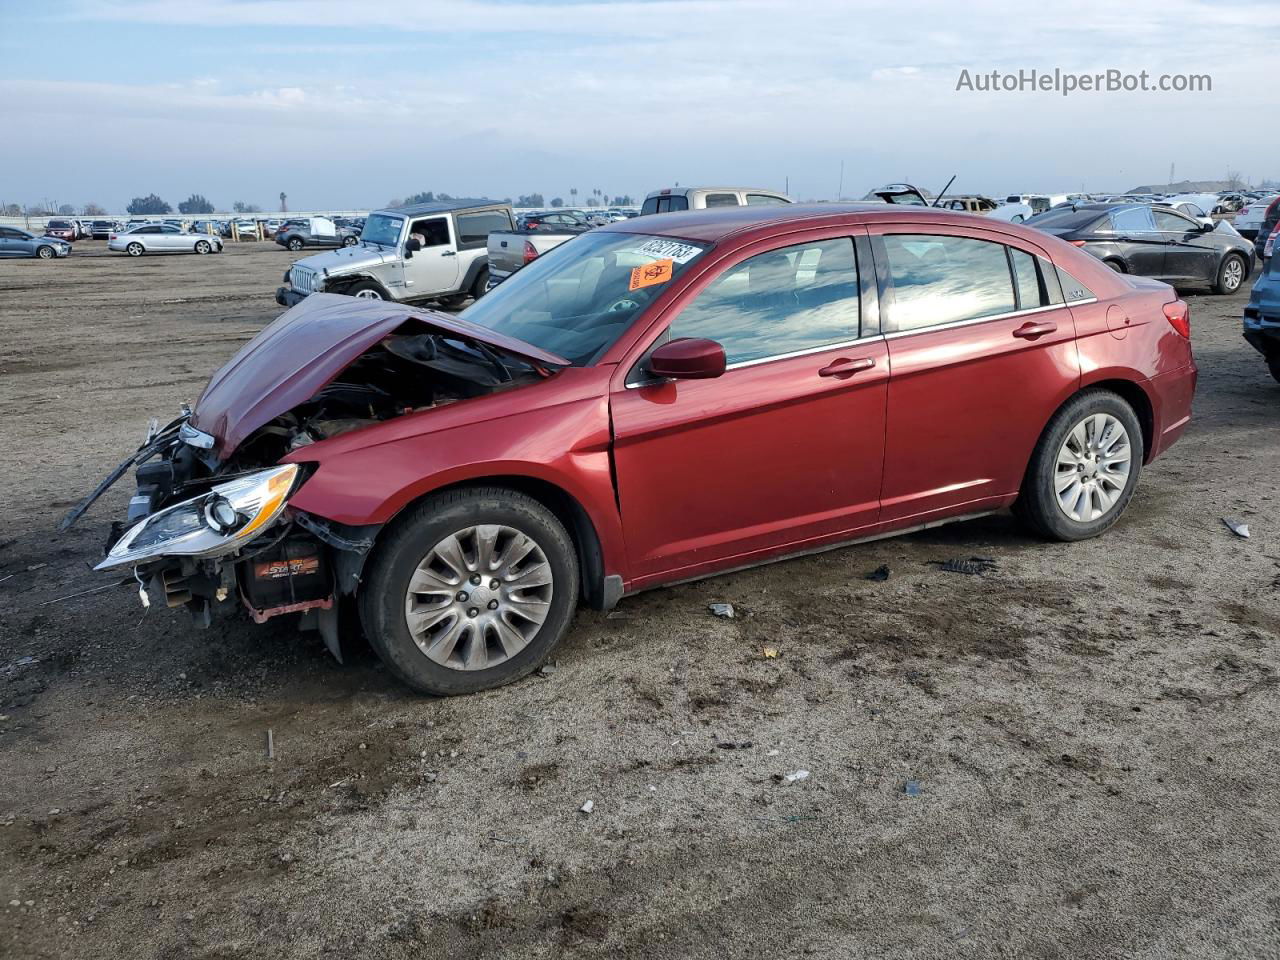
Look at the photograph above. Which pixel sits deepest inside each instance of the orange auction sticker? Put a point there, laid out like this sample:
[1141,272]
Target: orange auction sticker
[651,273]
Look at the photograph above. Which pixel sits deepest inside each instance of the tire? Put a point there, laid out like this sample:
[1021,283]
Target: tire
[295,244]
[203,246]
[1039,505]
[135,249]
[1231,274]
[1116,265]
[481,285]
[350,241]
[453,630]
[1018,218]
[1273,364]
[365,290]
[45,253]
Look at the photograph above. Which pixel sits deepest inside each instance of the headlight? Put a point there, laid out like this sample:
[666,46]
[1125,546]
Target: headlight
[210,525]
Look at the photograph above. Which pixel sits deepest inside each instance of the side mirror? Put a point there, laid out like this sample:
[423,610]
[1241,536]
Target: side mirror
[412,245]
[1207,227]
[688,358]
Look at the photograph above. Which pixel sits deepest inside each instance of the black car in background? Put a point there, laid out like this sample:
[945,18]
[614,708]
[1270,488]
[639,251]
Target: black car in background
[1153,241]
[1266,228]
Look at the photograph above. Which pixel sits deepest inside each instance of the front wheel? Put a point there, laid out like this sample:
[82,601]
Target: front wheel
[471,590]
[365,290]
[203,247]
[135,249]
[45,253]
[1230,274]
[1084,468]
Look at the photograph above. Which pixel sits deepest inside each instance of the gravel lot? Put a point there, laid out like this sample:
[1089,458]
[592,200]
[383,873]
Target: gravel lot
[1092,729]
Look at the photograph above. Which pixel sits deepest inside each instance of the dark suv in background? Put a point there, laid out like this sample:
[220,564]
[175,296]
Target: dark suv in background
[1154,242]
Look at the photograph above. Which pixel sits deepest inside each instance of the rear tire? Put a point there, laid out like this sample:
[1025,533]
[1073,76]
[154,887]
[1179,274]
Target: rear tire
[481,286]
[1057,480]
[1116,265]
[433,663]
[295,244]
[350,241]
[1231,274]
[135,249]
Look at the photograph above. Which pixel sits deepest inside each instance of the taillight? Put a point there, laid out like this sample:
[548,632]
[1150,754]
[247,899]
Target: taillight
[530,253]
[1269,247]
[1179,317]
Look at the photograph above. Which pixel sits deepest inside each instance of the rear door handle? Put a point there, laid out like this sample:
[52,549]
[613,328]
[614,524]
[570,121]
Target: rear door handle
[1030,331]
[842,368]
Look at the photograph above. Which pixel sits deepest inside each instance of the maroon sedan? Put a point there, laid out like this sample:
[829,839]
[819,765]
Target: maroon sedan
[62,229]
[659,399]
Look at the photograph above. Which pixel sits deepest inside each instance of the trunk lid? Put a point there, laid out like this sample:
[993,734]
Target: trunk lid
[306,347]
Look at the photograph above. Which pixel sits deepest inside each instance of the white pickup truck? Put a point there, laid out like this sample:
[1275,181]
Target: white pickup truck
[425,252]
[538,233]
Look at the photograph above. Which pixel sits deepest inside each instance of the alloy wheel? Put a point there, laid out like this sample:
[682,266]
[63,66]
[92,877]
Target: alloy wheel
[368,294]
[1092,468]
[1233,274]
[478,597]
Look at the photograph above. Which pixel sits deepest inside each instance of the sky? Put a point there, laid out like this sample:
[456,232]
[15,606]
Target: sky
[346,105]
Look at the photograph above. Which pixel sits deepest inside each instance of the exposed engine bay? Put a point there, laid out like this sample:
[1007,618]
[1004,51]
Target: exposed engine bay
[204,526]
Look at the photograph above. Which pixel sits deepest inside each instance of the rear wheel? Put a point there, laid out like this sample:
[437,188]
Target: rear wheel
[365,290]
[295,244]
[135,249]
[472,589]
[481,285]
[1115,265]
[350,241]
[1084,468]
[45,253]
[1230,274]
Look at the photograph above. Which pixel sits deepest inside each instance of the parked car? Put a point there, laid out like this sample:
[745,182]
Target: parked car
[1012,212]
[509,251]
[672,199]
[19,243]
[429,251]
[1264,240]
[1262,316]
[651,403]
[162,238]
[62,229]
[102,229]
[970,204]
[1155,242]
[1248,220]
[557,221]
[315,232]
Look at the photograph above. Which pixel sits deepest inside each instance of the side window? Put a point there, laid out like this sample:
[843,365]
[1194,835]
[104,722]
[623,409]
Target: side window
[763,199]
[650,205]
[1072,289]
[7,234]
[1167,222]
[1133,220]
[722,200]
[784,301]
[170,229]
[434,232]
[939,279]
[474,228]
[1192,210]
[1026,279]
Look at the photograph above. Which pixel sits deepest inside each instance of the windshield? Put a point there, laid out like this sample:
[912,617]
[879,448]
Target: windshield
[382,230]
[577,299]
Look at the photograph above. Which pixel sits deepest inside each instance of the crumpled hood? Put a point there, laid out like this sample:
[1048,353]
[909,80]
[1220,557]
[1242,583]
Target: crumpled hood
[306,348]
[348,258]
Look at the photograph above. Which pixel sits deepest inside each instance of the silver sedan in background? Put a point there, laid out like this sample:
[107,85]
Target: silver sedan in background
[163,238]
[20,243]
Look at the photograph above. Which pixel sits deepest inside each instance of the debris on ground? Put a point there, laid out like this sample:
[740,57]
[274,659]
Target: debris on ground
[1241,530]
[722,610]
[770,653]
[587,807]
[548,668]
[731,745]
[972,566]
[880,574]
[912,788]
[795,776]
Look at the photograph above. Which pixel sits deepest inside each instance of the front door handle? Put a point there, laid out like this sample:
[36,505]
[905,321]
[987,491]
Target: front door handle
[448,253]
[1030,331]
[843,368]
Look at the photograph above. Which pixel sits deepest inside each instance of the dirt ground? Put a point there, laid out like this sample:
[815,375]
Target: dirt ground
[1071,755]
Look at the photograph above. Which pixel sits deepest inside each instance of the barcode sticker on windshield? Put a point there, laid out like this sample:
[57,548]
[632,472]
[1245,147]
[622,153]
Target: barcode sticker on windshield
[669,250]
[657,272]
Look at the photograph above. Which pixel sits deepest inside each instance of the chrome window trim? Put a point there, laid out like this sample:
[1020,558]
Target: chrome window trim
[839,344]
[995,316]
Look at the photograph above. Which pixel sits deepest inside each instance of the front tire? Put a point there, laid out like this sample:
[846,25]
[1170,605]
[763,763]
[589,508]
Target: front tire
[1084,468]
[203,247]
[1231,273]
[365,290]
[45,253]
[470,590]
[135,249]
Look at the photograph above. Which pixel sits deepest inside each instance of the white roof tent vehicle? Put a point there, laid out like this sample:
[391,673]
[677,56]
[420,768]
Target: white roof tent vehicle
[672,199]
[414,254]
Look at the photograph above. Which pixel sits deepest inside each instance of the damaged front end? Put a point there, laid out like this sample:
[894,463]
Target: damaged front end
[210,520]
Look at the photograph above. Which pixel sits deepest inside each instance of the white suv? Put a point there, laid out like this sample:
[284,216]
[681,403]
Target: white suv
[671,199]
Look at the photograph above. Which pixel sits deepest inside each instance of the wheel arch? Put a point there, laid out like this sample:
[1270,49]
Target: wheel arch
[1131,392]
[345,282]
[597,590]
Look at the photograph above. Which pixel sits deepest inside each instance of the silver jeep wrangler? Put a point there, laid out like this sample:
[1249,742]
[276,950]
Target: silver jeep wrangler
[429,251]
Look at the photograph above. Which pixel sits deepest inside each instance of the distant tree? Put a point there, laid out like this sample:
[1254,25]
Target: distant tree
[593,202]
[148,205]
[427,197]
[1234,180]
[443,197]
[395,203]
[529,200]
[284,202]
[573,195]
[66,210]
[196,203]
[557,202]
[93,210]
[252,208]
[12,210]
[238,206]
[622,201]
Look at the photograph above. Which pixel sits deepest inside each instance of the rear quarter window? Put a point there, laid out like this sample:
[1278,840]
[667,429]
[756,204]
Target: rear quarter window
[474,228]
[721,200]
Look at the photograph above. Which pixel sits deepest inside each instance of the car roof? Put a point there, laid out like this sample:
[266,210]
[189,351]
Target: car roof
[683,191]
[448,206]
[713,224]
